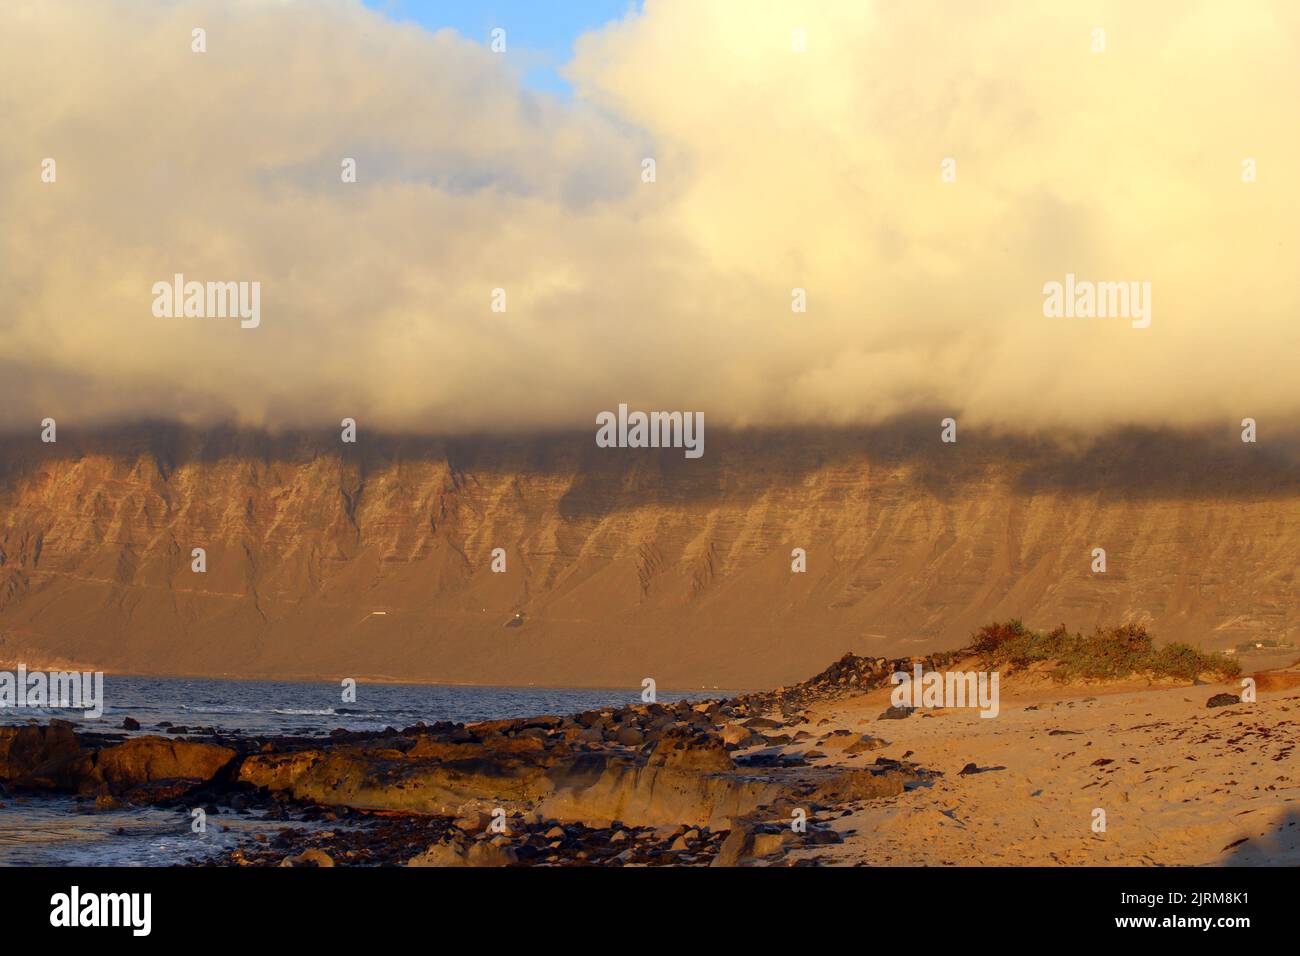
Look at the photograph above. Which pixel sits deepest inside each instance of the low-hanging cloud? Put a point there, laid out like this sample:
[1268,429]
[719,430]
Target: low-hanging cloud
[775,170]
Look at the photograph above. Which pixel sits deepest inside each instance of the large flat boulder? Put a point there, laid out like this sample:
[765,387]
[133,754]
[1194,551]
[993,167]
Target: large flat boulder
[425,777]
[26,750]
[131,765]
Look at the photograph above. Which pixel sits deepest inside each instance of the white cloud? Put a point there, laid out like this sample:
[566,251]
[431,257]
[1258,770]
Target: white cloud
[775,170]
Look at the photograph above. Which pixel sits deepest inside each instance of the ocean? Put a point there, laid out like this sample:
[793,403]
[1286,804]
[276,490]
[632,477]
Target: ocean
[61,830]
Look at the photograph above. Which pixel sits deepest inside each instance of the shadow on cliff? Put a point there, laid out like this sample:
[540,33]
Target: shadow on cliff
[737,465]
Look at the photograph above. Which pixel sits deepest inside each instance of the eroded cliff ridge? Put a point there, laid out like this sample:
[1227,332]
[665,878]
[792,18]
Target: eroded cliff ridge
[374,559]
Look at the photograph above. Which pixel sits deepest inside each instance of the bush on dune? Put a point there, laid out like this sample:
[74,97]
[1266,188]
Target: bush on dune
[1108,654]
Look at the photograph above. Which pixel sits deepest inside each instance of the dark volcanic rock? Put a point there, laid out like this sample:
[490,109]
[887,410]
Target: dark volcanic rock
[851,674]
[161,791]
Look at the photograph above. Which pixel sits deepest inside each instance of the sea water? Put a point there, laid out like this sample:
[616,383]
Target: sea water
[40,829]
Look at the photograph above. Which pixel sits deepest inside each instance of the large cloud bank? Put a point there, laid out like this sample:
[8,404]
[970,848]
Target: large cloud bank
[775,170]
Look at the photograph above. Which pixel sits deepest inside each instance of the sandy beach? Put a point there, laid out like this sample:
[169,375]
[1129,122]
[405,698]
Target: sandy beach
[1180,783]
[1143,771]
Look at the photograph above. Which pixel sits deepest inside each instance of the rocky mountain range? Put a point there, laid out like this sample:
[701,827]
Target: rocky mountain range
[374,560]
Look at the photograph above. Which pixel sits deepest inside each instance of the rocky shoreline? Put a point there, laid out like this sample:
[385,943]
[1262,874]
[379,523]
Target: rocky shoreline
[797,776]
[685,783]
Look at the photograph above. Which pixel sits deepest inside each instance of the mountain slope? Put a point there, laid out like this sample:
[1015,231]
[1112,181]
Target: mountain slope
[624,563]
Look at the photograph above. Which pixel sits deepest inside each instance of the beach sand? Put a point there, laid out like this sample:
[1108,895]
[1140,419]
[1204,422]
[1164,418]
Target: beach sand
[1179,783]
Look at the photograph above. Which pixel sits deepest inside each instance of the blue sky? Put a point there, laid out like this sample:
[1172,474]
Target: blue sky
[543,30]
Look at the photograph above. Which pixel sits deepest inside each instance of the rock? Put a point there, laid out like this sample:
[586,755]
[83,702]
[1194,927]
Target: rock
[480,854]
[161,791]
[1223,700]
[849,675]
[130,723]
[864,743]
[896,713]
[309,857]
[425,775]
[630,737]
[683,749]
[143,760]
[278,771]
[766,844]
[25,751]
[176,766]
[685,840]
[738,845]
[740,736]
[851,786]
[770,757]
[747,841]
[473,822]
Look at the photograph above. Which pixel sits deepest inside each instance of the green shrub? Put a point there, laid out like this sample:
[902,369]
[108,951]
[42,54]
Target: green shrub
[1110,654]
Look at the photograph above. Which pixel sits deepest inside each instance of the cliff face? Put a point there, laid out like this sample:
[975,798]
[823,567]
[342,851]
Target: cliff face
[373,560]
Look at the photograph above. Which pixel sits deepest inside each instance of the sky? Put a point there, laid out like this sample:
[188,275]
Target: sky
[918,173]
[543,29]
